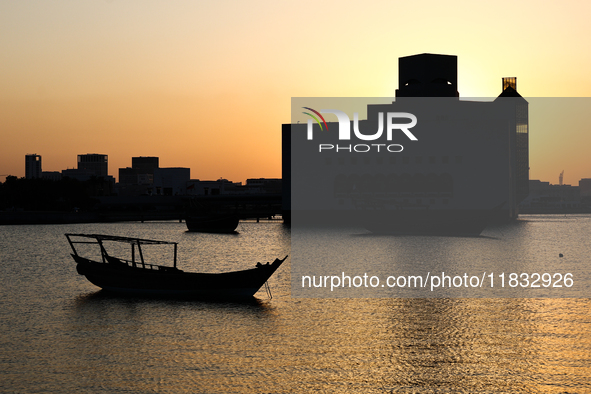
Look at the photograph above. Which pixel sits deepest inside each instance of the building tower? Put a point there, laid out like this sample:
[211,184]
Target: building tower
[32,166]
[428,75]
[521,135]
[95,163]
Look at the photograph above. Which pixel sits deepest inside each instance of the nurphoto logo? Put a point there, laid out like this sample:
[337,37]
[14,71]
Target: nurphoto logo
[344,133]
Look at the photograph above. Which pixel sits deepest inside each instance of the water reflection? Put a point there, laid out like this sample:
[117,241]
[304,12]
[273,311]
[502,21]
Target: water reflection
[101,299]
[456,345]
[149,345]
[60,335]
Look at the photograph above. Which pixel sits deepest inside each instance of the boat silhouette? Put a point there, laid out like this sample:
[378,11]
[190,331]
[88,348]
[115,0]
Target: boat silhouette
[135,276]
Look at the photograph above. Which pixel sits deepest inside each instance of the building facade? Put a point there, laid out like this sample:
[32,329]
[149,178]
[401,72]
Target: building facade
[171,181]
[470,156]
[33,166]
[96,164]
[139,178]
[52,175]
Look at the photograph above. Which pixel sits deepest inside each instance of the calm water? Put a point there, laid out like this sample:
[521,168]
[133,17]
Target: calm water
[58,333]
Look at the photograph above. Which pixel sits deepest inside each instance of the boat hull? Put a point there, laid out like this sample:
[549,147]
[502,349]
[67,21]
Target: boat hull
[167,281]
[417,222]
[212,224]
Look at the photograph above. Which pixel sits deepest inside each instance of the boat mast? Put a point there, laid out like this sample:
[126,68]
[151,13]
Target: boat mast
[133,255]
[175,255]
[139,249]
[72,244]
[103,251]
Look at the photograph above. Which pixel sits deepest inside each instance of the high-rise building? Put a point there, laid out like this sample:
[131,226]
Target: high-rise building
[96,163]
[32,166]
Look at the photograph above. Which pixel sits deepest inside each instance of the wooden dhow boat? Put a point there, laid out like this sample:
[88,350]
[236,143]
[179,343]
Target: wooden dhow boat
[135,276]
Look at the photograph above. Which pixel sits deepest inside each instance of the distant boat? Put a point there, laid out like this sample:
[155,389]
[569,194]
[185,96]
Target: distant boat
[135,276]
[417,219]
[212,223]
[425,222]
[211,217]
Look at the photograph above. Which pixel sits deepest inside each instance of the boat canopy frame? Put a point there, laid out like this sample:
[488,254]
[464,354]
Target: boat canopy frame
[99,238]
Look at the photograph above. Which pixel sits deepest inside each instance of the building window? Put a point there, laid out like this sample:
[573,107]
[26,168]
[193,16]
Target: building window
[459,159]
[432,160]
[405,160]
[445,160]
[392,160]
[418,160]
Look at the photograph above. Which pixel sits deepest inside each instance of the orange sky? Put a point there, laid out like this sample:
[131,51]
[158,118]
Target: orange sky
[206,85]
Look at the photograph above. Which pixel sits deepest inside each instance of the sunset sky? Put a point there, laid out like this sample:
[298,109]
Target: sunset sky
[207,84]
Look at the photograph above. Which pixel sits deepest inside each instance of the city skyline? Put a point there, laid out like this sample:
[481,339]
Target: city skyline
[207,86]
[575,183]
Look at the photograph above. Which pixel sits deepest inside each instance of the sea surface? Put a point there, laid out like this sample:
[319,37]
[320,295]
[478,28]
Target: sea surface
[60,334]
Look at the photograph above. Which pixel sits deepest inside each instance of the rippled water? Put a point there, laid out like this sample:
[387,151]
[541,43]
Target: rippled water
[59,334]
[536,257]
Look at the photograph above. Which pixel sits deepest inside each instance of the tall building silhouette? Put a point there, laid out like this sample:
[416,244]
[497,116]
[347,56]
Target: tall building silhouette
[470,160]
[426,76]
[33,166]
